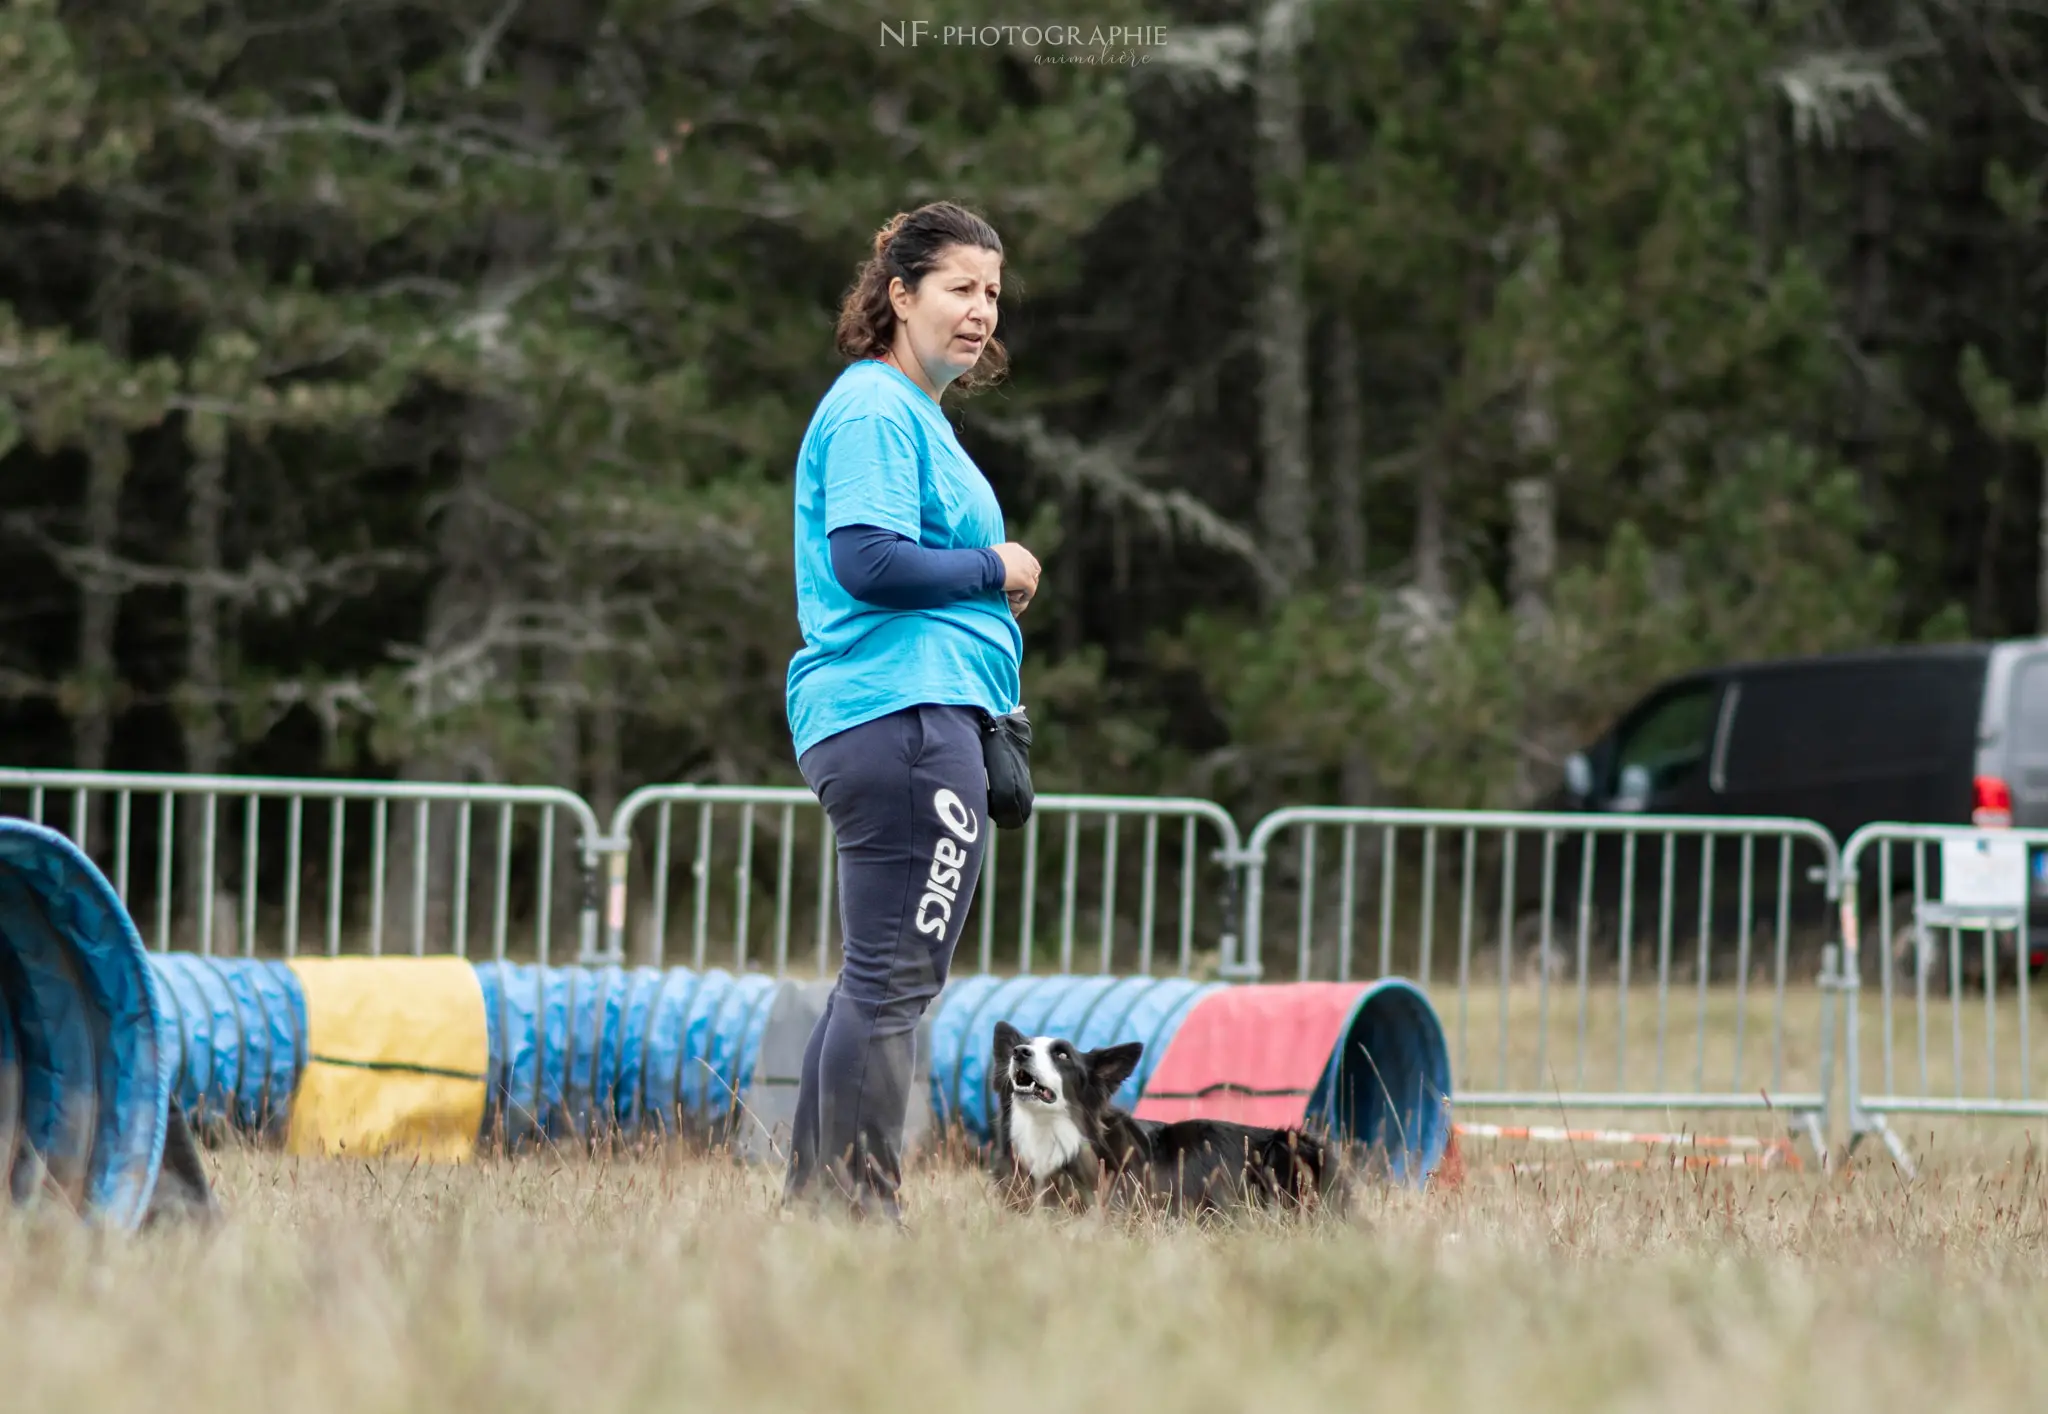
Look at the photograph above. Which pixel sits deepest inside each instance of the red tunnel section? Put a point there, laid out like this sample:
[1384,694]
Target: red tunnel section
[1250,1054]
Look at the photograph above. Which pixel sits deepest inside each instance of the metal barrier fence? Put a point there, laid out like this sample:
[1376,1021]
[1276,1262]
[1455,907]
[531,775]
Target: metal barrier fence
[409,879]
[1114,883]
[1944,985]
[1594,962]
[1582,928]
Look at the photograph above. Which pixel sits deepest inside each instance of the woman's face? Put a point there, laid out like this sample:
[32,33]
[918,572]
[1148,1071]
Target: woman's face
[943,327]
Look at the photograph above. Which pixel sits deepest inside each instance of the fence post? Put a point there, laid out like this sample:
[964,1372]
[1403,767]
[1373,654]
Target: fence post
[618,862]
[605,859]
[597,945]
[1241,952]
[1831,985]
[1859,1123]
[1848,962]
[1840,977]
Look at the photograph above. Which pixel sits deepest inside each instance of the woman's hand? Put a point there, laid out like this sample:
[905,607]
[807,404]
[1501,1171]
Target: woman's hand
[1020,574]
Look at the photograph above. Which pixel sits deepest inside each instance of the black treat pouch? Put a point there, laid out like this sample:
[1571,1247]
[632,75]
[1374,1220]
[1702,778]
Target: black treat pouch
[1006,749]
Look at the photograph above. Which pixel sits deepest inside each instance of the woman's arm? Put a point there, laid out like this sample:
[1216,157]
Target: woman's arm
[892,571]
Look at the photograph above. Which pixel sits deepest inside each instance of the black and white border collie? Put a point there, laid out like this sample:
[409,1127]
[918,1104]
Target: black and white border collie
[1060,1141]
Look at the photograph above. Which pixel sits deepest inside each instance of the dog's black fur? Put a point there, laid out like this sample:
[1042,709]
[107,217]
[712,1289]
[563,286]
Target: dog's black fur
[1111,1158]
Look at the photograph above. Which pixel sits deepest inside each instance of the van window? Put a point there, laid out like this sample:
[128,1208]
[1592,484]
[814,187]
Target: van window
[1820,725]
[2030,702]
[1671,739]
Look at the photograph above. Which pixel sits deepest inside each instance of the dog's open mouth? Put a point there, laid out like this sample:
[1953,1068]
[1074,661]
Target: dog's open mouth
[1026,1084]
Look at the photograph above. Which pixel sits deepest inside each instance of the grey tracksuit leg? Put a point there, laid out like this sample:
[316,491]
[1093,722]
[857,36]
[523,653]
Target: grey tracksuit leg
[907,796]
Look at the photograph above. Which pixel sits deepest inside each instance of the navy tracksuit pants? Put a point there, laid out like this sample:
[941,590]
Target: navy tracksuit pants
[907,795]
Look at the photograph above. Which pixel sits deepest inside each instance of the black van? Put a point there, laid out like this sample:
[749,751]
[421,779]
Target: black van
[1923,734]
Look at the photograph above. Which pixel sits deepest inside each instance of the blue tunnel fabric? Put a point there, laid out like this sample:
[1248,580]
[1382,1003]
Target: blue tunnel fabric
[575,1052]
[1089,1011]
[83,1030]
[237,1037]
[10,1087]
[579,1052]
[1388,1085]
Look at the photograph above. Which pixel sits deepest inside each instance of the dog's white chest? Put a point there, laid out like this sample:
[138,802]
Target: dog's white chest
[1043,1140]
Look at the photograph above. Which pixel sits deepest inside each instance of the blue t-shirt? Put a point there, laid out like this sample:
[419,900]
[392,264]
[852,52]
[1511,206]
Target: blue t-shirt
[880,452]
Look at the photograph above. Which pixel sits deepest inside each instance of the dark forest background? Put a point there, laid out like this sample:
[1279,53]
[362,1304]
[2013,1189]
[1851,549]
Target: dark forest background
[1401,386]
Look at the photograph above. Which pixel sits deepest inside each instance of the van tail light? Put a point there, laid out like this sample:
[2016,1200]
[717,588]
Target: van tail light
[1994,804]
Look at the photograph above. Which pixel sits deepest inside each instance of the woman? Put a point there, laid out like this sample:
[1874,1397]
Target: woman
[907,594]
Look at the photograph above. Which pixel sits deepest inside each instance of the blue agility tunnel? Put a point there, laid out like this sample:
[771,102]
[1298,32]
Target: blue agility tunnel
[1388,1083]
[586,1052]
[1366,1059]
[235,1032]
[567,1052]
[85,1086]
[1091,1012]
[107,1051]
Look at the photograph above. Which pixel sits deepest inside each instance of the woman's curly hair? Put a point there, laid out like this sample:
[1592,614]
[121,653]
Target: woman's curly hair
[907,248]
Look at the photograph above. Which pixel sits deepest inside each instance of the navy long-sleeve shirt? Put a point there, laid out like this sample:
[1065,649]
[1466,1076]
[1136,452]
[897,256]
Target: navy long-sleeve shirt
[884,568]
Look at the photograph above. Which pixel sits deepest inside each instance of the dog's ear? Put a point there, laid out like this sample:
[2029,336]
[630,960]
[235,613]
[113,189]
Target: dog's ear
[1007,1038]
[1111,1066]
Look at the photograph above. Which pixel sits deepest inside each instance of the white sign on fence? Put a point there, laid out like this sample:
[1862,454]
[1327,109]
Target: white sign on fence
[1984,874]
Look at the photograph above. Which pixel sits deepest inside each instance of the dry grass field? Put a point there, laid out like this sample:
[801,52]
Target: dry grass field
[668,1282]
[671,1283]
